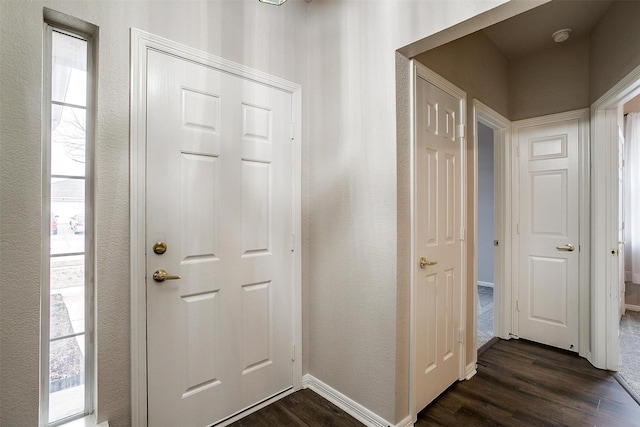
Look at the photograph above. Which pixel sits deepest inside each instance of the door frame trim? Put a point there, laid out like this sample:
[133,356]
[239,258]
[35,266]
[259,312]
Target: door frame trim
[604,220]
[417,70]
[502,314]
[141,41]
[584,232]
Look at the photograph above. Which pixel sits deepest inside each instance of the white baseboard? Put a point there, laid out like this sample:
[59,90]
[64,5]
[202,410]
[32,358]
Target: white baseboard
[485,284]
[351,407]
[470,371]
[407,422]
[631,307]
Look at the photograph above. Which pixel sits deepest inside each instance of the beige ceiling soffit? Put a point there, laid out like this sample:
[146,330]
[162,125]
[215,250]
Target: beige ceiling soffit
[471,25]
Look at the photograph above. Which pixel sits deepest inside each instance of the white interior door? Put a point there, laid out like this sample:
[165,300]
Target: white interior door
[549,223]
[219,195]
[438,245]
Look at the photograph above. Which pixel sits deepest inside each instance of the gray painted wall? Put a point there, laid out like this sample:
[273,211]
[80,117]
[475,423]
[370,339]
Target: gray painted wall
[615,47]
[485,204]
[476,65]
[263,37]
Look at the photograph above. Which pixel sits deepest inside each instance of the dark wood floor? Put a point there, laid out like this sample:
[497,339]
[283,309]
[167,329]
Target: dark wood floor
[518,384]
[302,408]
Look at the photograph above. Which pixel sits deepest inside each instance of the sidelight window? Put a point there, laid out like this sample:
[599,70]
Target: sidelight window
[67,306]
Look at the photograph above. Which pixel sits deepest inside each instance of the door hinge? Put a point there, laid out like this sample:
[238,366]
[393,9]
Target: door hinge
[292,132]
[517,151]
[517,305]
[292,242]
[460,335]
[461,131]
[517,228]
[293,352]
[461,233]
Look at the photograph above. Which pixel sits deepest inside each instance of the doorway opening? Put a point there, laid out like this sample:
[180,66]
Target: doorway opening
[492,236]
[629,178]
[617,351]
[486,237]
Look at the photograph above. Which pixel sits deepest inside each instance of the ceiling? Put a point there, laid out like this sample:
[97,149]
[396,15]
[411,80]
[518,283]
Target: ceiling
[531,31]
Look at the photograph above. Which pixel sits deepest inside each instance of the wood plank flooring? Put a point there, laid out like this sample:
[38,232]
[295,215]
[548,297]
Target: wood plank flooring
[302,408]
[518,383]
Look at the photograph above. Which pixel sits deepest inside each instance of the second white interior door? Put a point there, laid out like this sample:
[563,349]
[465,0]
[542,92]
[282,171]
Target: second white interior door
[548,228]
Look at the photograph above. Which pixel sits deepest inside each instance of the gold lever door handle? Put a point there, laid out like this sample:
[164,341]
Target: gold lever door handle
[424,262]
[568,247]
[161,276]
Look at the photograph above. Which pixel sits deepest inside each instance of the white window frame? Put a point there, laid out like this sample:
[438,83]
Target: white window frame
[55,21]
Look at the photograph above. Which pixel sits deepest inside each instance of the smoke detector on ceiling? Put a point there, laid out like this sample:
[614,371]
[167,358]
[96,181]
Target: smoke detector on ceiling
[561,35]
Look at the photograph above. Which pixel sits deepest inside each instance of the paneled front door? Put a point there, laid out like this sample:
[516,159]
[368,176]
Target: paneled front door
[219,254]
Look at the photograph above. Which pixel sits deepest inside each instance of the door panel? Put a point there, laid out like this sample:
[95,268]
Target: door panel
[438,221]
[547,301]
[219,194]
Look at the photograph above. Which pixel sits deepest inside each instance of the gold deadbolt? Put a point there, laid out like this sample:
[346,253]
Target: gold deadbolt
[160,248]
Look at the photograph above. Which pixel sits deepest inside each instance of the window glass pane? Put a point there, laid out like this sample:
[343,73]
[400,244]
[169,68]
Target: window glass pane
[67,296]
[68,140]
[68,290]
[66,378]
[69,69]
[68,219]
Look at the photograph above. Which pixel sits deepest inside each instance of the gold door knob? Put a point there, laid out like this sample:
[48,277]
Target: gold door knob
[568,247]
[161,276]
[424,262]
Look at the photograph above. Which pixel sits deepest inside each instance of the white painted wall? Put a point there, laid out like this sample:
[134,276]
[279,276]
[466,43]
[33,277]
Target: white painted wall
[354,327]
[343,53]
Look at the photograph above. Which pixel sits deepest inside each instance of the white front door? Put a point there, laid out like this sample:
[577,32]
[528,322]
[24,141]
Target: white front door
[548,228]
[438,243]
[219,195]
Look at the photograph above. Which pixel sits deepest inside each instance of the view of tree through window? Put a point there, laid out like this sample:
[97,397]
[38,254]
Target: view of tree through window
[67,279]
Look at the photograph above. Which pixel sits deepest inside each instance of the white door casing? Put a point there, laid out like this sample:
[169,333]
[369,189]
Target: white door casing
[438,236]
[621,233]
[548,227]
[221,188]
